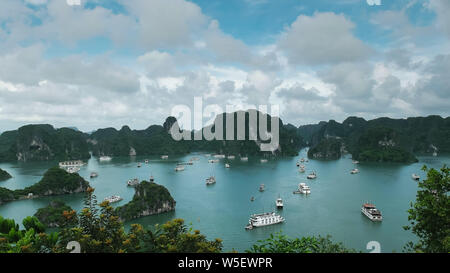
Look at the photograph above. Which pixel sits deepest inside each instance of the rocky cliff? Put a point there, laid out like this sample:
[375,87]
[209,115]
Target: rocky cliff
[149,199]
[42,143]
[4,175]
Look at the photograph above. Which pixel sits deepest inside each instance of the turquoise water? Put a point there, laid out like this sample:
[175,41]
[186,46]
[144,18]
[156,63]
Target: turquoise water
[222,210]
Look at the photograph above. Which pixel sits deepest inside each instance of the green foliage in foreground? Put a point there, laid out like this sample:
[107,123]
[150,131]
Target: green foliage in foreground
[98,229]
[53,214]
[429,216]
[280,243]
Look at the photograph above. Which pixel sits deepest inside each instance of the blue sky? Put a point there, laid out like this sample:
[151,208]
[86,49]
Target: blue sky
[110,63]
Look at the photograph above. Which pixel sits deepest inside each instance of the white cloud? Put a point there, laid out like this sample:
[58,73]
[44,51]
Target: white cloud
[322,38]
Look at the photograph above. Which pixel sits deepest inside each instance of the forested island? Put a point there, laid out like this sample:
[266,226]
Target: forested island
[44,142]
[149,198]
[157,140]
[378,140]
[53,215]
[55,181]
[4,175]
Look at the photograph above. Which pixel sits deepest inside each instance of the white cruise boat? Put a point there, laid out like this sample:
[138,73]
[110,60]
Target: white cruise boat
[312,175]
[164,157]
[152,179]
[210,180]
[415,176]
[231,157]
[94,175]
[113,199]
[219,156]
[179,168]
[133,182]
[279,203]
[371,212]
[74,163]
[244,158]
[264,219]
[355,161]
[354,171]
[303,189]
[105,158]
[139,165]
[227,165]
[146,161]
[264,160]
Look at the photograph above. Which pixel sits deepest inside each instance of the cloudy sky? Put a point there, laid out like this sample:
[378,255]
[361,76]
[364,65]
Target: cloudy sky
[107,63]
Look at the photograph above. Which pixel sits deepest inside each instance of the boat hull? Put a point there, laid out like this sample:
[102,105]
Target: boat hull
[371,217]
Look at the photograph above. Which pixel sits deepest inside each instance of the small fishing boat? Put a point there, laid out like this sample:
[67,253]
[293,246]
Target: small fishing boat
[210,180]
[164,157]
[415,176]
[279,203]
[179,168]
[262,187]
[302,189]
[252,199]
[355,161]
[227,165]
[133,182]
[263,160]
[354,171]
[146,161]
[244,158]
[113,199]
[152,179]
[105,158]
[94,175]
[139,165]
[312,175]
[231,157]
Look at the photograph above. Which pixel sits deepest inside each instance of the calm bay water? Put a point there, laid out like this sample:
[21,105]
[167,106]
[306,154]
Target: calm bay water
[222,210]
